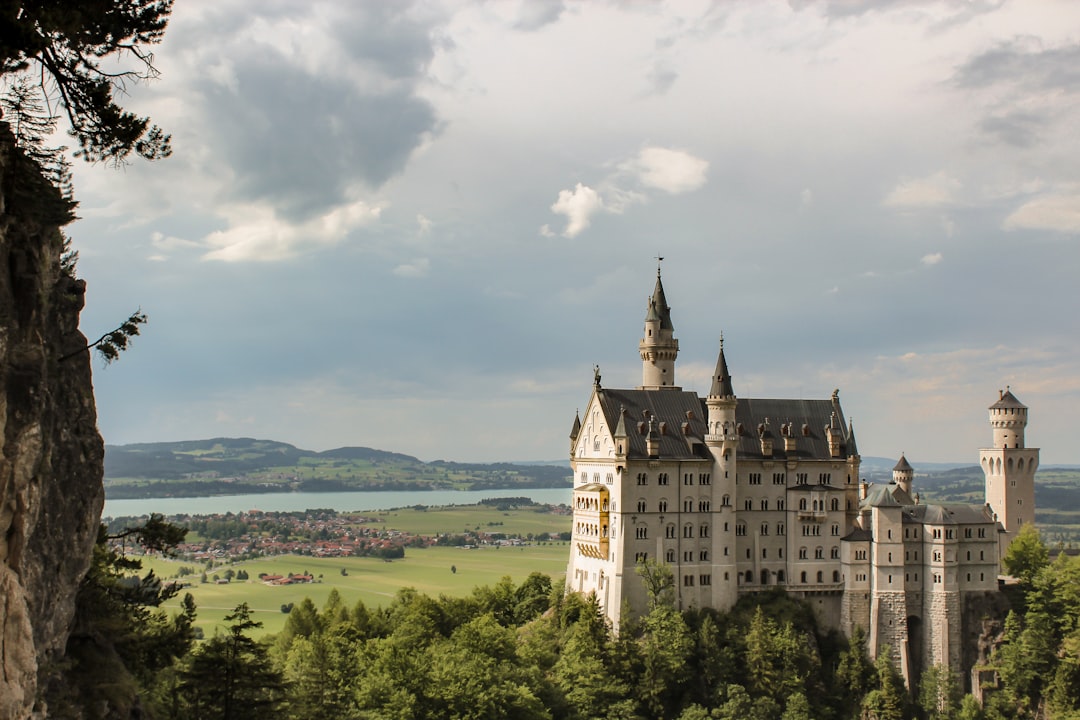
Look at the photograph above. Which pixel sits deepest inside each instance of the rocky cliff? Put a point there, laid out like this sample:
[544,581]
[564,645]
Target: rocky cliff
[51,462]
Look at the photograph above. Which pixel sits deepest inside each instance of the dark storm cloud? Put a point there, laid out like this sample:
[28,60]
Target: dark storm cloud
[1015,62]
[1020,129]
[535,14]
[388,37]
[298,126]
[299,141]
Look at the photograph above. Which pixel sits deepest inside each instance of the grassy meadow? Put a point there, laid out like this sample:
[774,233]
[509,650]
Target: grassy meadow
[376,581]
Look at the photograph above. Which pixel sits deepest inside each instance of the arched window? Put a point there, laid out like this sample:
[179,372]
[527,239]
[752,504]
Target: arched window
[836,576]
[779,576]
[764,577]
[802,503]
[749,576]
[803,576]
[820,576]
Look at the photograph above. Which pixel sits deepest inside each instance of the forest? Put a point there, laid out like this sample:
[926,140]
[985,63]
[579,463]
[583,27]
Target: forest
[534,651]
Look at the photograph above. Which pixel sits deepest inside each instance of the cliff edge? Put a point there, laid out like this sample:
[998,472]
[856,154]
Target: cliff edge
[51,464]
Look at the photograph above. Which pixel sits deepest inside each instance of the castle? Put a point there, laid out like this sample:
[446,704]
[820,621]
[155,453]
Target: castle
[739,495]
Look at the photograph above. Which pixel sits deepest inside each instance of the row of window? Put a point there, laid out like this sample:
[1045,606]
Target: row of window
[641,532]
[687,556]
[703,506]
[781,578]
[662,478]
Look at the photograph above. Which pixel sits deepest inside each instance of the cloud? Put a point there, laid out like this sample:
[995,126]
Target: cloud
[653,168]
[806,199]
[931,259]
[672,171]
[535,14]
[1025,62]
[256,232]
[578,205]
[1059,213]
[416,269]
[424,224]
[936,190]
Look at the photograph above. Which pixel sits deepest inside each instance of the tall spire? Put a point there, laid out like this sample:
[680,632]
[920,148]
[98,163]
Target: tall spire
[658,309]
[721,384]
[658,347]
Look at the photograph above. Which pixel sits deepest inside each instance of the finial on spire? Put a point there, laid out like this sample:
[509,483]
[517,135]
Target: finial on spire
[659,259]
[721,339]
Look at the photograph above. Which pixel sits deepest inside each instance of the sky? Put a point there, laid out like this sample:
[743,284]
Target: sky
[417,226]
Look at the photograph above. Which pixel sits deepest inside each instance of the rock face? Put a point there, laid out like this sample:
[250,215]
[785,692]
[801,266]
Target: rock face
[51,461]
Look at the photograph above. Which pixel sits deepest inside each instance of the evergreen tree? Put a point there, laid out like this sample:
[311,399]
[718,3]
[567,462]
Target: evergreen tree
[230,677]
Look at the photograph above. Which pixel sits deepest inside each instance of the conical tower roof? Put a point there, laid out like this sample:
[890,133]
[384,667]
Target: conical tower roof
[903,465]
[1007,400]
[658,307]
[721,383]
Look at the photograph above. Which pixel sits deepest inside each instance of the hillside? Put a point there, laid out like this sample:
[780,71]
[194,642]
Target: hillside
[231,466]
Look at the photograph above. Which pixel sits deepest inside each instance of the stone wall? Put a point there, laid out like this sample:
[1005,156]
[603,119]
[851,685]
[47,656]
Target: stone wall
[51,467]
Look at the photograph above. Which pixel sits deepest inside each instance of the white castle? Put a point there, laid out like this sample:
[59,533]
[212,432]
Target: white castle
[739,495]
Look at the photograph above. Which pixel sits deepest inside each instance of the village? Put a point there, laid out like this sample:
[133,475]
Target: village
[232,537]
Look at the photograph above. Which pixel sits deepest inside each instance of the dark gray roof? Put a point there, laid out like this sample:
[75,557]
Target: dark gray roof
[858,534]
[879,495]
[947,514]
[903,465]
[576,429]
[1008,400]
[806,418]
[683,434]
[669,408]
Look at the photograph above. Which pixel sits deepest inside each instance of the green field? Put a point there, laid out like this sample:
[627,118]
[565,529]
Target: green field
[369,579]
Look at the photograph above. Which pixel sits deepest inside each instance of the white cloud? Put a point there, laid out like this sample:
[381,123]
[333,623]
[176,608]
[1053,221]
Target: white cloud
[416,269]
[256,232]
[546,231]
[578,205]
[672,171]
[935,190]
[1060,213]
[806,199]
[931,259]
[424,222]
[653,168]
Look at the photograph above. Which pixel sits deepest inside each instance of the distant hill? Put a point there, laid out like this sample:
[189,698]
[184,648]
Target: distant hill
[230,466]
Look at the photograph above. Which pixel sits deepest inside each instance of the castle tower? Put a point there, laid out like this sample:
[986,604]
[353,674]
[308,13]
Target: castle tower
[658,347]
[1010,467]
[903,473]
[722,440]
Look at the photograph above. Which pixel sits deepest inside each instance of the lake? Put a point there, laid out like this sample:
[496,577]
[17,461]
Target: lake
[340,501]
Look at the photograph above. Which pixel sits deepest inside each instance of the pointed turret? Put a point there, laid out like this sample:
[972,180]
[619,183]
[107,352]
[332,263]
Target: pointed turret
[574,432]
[903,474]
[721,403]
[852,448]
[621,439]
[721,383]
[658,347]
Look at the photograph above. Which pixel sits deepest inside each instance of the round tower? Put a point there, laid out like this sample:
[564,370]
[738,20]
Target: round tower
[1009,467]
[1008,417]
[658,347]
[903,473]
